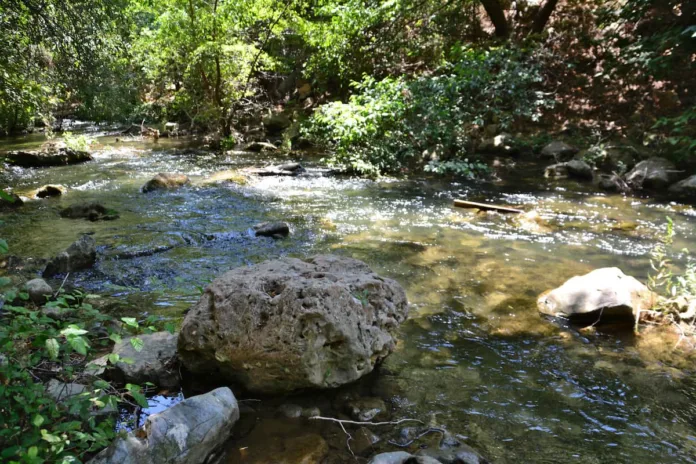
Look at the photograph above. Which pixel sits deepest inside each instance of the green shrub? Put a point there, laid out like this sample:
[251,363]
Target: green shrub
[399,123]
[76,142]
[35,348]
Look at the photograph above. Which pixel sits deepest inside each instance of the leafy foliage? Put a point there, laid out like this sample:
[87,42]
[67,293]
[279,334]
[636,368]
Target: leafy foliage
[37,347]
[400,123]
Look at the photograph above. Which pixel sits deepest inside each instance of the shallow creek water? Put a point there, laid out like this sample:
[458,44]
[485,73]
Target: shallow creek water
[475,357]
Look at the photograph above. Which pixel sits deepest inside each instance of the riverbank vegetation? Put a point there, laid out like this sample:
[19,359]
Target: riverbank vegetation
[383,86]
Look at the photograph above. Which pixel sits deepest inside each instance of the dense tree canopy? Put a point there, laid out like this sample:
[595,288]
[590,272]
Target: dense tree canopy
[611,65]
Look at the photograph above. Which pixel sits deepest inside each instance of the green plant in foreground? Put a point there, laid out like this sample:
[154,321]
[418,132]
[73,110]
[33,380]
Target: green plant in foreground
[57,342]
[676,290]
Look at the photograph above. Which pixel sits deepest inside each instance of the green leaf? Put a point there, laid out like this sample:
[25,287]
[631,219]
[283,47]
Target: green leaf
[33,452]
[49,437]
[114,358]
[72,330]
[137,344]
[140,399]
[114,337]
[38,420]
[78,344]
[4,248]
[53,348]
[131,321]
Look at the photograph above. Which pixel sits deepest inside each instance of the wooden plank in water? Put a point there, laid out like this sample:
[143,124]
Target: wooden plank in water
[486,207]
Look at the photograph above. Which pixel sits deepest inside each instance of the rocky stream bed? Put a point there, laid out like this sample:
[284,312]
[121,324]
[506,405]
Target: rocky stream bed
[474,362]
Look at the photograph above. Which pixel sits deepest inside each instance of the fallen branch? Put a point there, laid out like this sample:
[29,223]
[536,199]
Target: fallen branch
[341,422]
[486,207]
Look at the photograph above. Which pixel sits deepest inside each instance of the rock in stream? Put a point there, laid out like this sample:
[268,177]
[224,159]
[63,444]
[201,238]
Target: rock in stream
[290,324]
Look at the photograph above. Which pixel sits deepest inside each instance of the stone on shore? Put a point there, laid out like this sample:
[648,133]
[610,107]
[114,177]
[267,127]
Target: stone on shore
[652,174]
[186,433]
[156,362]
[38,291]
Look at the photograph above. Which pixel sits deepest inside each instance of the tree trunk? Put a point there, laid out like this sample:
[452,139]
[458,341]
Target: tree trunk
[542,16]
[497,15]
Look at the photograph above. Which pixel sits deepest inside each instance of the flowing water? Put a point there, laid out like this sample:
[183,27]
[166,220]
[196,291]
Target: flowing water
[475,357]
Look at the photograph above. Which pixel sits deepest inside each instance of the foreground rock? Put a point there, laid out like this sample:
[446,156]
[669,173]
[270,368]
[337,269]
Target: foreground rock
[560,151]
[291,324]
[604,295]
[51,190]
[652,174]
[165,181]
[80,255]
[63,392]
[90,211]
[156,362]
[272,229]
[54,157]
[186,433]
[12,203]
[574,169]
[38,291]
[685,188]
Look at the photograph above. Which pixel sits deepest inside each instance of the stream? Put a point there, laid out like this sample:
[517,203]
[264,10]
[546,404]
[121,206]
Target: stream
[475,357]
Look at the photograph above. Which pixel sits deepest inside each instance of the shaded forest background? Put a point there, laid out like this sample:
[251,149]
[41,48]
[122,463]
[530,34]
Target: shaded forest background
[383,83]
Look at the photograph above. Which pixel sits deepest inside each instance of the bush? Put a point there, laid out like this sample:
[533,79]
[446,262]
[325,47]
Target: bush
[35,348]
[399,123]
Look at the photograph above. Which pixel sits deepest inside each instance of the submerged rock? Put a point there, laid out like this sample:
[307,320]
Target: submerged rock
[575,169]
[364,440]
[272,229]
[80,255]
[290,324]
[186,433]
[558,150]
[652,174]
[51,190]
[156,362]
[686,187]
[165,181]
[90,211]
[14,203]
[38,291]
[287,169]
[603,295]
[53,157]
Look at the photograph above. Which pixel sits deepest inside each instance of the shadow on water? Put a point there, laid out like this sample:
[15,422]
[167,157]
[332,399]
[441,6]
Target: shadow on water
[475,358]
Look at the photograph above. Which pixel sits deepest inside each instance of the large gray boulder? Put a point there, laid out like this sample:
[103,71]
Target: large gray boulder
[156,362]
[38,291]
[606,295]
[291,324]
[186,433]
[80,255]
[686,187]
[52,157]
[652,174]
